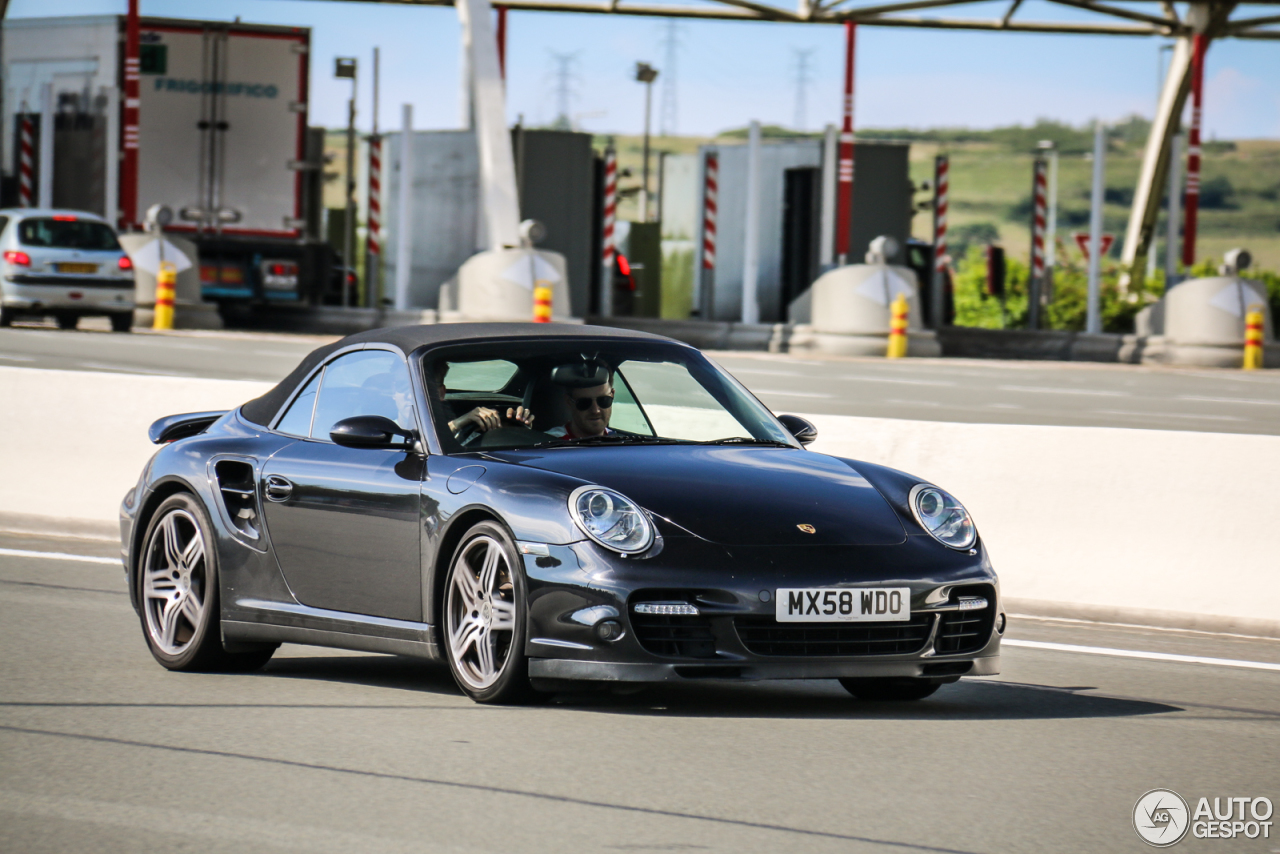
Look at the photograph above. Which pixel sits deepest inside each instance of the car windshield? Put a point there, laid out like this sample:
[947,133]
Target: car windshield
[67,233]
[589,393]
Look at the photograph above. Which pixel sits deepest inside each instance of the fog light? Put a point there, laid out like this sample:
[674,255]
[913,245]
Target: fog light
[1000,624]
[666,609]
[609,630]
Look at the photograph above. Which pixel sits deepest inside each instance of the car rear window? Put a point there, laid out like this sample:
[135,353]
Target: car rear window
[67,234]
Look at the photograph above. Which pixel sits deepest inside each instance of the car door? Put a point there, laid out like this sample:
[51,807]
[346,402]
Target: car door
[343,521]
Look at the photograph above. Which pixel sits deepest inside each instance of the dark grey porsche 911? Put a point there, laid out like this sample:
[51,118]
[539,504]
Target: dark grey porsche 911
[541,506]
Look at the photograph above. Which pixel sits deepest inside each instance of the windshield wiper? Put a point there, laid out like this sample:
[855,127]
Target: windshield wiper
[614,439]
[743,440]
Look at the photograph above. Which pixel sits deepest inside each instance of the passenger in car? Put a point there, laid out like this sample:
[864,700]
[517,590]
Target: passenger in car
[480,420]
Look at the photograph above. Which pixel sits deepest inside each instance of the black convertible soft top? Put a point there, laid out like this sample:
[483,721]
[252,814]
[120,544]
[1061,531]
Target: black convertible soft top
[261,410]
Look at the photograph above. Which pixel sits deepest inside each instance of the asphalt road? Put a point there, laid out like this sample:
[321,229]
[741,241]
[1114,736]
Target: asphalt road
[1224,401]
[102,750]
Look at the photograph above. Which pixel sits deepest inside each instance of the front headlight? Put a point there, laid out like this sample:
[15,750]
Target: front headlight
[611,519]
[943,517]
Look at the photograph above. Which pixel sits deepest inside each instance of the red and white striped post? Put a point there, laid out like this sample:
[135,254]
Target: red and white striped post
[27,162]
[373,237]
[1039,225]
[610,212]
[937,302]
[132,100]
[844,178]
[1192,204]
[710,209]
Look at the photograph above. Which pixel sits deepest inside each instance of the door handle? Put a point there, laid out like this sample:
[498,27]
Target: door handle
[278,489]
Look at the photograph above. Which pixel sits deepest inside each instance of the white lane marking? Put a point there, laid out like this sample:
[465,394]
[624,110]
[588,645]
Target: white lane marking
[913,402]
[792,393]
[5,357]
[1142,627]
[1151,656]
[1045,390]
[1167,415]
[113,561]
[300,353]
[1004,406]
[1229,400]
[765,373]
[102,366]
[898,380]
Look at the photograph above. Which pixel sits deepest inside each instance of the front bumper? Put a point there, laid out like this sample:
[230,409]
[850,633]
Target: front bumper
[573,589]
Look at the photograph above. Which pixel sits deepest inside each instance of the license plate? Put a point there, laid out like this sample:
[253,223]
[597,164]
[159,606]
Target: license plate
[77,268]
[842,604]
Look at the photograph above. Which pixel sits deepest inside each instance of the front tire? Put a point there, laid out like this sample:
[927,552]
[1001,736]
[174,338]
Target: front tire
[177,578]
[484,618]
[892,689]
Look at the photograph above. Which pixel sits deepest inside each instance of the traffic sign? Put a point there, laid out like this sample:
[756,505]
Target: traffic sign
[1082,240]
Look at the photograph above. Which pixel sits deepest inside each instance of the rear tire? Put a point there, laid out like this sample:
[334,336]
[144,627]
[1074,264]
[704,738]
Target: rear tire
[67,321]
[178,592]
[484,618]
[891,689]
[6,316]
[121,322]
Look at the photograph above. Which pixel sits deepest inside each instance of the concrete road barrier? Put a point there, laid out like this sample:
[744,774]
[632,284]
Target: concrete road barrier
[1147,526]
[1155,527]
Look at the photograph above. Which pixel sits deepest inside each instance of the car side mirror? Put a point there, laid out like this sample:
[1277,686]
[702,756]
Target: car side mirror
[803,430]
[370,431]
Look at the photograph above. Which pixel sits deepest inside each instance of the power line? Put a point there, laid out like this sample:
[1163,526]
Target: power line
[668,112]
[803,80]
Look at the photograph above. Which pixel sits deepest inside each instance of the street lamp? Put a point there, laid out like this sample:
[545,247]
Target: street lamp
[344,66]
[646,74]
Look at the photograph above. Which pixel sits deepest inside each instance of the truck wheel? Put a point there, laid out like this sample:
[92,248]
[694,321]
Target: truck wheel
[121,322]
[67,321]
[6,316]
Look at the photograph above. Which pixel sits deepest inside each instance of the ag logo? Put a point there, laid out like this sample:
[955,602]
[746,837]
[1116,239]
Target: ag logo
[808,529]
[1161,818]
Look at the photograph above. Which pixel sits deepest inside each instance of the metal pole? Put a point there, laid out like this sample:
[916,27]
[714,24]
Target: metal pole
[1198,45]
[710,209]
[44,181]
[502,41]
[644,171]
[827,234]
[349,235]
[129,166]
[373,227]
[1171,276]
[751,247]
[404,228]
[941,185]
[1093,320]
[844,209]
[111,186]
[610,213]
[1039,203]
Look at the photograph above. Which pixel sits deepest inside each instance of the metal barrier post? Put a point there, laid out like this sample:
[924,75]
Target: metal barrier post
[1253,338]
[166,282]
[898,328]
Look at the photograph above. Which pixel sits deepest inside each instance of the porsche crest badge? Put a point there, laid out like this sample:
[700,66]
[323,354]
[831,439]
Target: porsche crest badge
[808,529]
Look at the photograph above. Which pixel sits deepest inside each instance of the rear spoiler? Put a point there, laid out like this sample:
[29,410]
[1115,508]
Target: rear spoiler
[174,427]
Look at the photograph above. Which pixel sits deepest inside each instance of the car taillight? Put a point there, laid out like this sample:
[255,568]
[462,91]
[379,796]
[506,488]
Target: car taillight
[63,218]
[125,263]
[21,259]
[283,269]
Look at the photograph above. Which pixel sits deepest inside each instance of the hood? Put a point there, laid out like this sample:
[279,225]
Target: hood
[734,495]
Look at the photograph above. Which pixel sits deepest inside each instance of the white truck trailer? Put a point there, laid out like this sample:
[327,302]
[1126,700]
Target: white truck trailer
[222,140]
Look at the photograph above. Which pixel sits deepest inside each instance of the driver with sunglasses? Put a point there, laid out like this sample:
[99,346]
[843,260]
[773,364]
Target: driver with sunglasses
[589,410]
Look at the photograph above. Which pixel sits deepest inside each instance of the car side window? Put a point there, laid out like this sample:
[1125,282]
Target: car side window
[297,421]
[4,222]
[367,382]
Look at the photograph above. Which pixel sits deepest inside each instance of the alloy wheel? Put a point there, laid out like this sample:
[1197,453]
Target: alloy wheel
[175,582]
[481,612]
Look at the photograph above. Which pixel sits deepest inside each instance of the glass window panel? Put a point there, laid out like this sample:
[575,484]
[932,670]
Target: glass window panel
[489,375]
[368,382]
[297,421]
[677,404]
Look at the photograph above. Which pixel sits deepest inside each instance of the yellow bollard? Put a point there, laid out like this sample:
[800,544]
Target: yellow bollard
[1253,338]
[898,328]
[166,281]
[541,302]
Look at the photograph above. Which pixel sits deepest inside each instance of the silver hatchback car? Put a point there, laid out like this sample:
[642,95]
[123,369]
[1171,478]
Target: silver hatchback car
[63,264]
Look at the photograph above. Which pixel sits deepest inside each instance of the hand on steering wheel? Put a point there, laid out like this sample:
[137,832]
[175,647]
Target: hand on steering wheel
[520,417]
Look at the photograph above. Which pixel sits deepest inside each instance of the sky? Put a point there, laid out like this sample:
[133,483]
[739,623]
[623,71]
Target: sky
[727,73]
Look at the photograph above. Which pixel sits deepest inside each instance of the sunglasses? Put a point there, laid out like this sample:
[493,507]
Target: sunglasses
[604,401]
